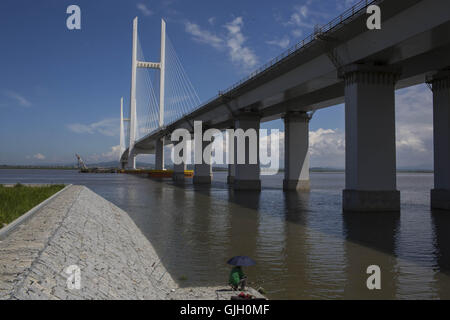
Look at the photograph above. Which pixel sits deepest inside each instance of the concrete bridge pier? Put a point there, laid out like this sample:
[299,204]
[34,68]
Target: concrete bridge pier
[132,162]
[231,173]
[203,170]
[247,173]
[296,157]
[230,161]
[231,166]
[178,171]
[159,154]
[370,168]
[440,195]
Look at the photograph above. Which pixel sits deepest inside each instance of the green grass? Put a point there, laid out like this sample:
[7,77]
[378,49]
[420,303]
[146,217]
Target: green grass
[15,201]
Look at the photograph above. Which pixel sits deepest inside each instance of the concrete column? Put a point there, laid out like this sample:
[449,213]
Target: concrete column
[247,174]
[296,151]
[203,171]
[178,171]
[440,195]
[231,167]
[159,154]
[132,162]
[231,173]
[370,159]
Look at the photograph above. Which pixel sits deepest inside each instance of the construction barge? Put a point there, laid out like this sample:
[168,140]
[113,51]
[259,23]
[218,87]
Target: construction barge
[151,173]
[156,173]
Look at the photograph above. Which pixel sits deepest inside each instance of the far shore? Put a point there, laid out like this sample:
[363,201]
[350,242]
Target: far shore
[215,169]
[38,167]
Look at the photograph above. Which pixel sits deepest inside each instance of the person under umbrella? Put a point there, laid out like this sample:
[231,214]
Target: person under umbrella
[237,276]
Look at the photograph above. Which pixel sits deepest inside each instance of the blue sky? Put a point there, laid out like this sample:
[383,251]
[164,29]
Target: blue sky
[60,88]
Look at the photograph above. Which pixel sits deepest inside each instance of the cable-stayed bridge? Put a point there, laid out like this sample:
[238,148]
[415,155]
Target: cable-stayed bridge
[342,61]
[160,92]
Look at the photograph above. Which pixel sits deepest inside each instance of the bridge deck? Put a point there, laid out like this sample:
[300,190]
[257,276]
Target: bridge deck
[413,39]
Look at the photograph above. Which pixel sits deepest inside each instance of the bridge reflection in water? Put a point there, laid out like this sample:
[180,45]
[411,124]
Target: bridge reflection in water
[304,246]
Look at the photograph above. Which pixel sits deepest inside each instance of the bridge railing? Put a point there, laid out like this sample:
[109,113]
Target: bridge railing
[348,15]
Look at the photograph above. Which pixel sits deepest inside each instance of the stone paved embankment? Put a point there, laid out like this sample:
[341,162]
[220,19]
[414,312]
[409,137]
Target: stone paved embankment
[78,227]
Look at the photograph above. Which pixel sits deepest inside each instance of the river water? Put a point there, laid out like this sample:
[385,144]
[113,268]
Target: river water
[304,246]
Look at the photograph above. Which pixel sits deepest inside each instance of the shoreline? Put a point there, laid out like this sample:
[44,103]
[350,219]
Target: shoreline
[313,170]
[116,261]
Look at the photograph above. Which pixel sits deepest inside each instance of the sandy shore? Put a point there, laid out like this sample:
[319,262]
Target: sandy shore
[80,228]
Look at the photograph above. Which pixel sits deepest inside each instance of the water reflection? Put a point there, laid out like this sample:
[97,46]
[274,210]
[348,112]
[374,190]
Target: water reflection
[304,246]
[441,222]
[295,257]
[244,233]
[371,240]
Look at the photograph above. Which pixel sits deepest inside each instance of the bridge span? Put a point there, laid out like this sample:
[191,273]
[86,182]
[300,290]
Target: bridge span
[342,62]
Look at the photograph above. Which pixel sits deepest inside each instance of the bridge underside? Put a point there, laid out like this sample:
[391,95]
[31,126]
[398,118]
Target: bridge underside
[349,64]
[414,41]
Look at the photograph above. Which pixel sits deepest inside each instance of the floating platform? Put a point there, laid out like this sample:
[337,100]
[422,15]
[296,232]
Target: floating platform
[168,173]
[99,170]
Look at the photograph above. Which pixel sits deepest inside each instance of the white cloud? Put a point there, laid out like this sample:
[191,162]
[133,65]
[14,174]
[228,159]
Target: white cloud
[239,53]
[39,156]
[80,128]
[107,127]
[112,155]
[234,40]
[203,36]
[346,4]
[300,17]
[282,43]
[414,134]
[17,98]
[144,9]
[297,33]
[307,16]
[212,20]
[414,127]
[327,148]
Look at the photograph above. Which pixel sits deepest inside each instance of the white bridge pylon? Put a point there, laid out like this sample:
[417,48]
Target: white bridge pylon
[135,63]
[122,129]
[177,97]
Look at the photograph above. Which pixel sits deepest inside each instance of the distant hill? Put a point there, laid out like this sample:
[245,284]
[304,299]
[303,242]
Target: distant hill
[145,165]
[59,167]
[109,164]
